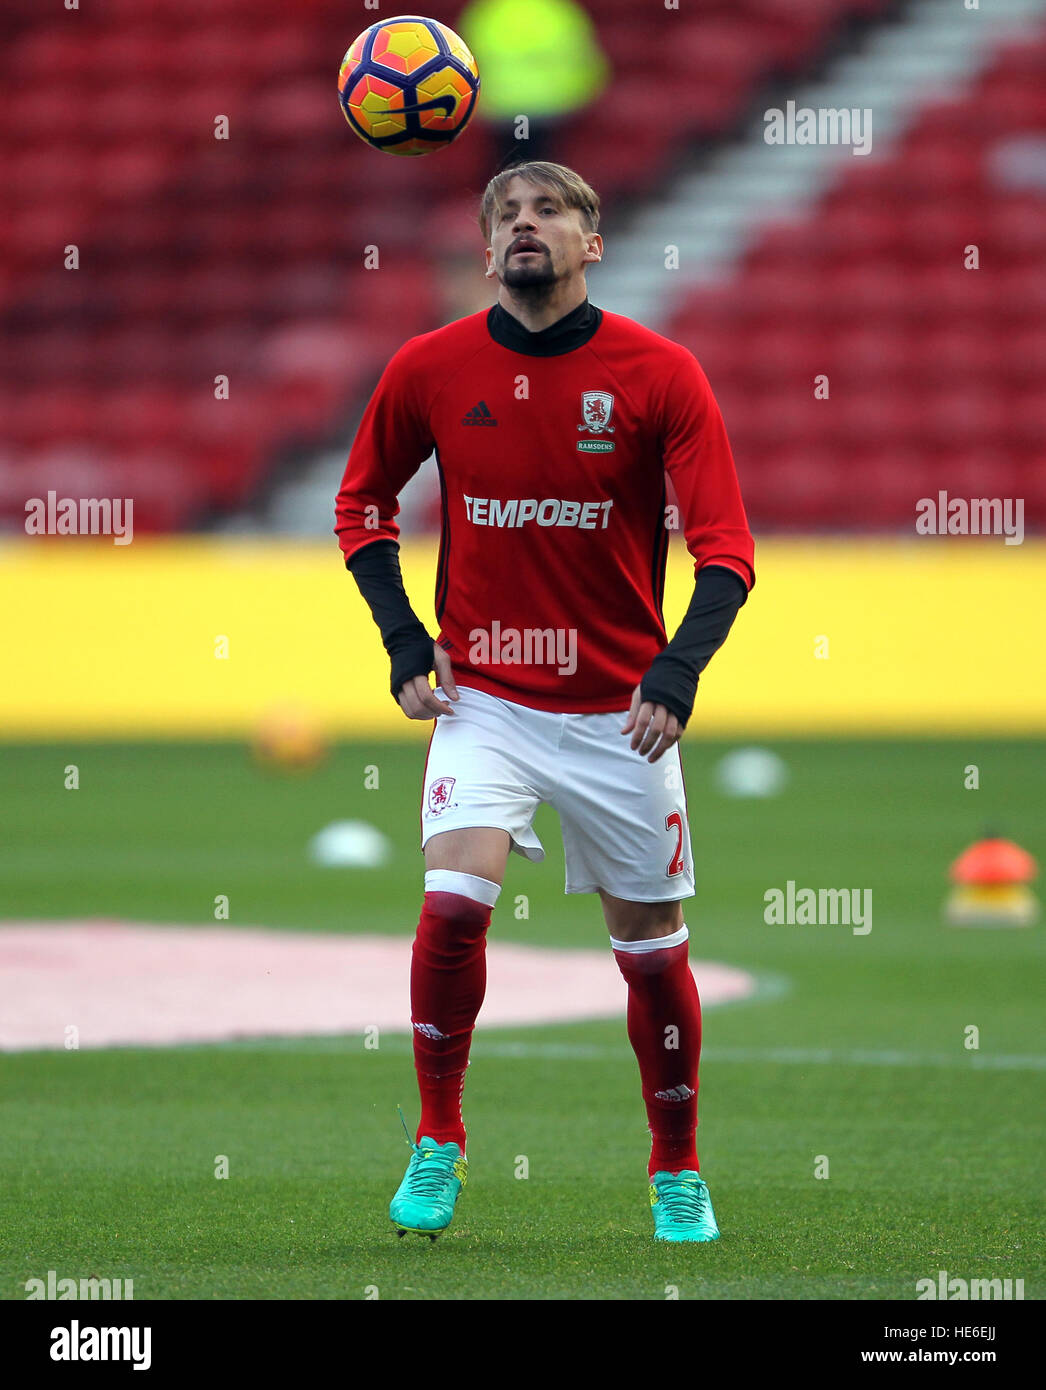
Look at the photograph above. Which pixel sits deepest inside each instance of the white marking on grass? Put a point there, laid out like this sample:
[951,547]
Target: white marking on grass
[128,984]
[485,1046]
[786,1056]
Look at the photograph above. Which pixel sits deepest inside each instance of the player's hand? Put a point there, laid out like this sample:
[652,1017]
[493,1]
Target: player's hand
[654,729]
[417,698]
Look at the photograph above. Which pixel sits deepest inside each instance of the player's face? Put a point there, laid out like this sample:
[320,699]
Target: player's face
[535,240]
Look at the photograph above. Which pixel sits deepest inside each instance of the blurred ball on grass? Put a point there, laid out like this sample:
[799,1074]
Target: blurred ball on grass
[288,739]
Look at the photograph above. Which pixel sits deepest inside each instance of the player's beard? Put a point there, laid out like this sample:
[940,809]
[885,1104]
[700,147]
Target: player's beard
[533,281]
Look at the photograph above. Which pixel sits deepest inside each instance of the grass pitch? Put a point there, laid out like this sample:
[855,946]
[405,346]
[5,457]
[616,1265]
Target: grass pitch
[854,1051]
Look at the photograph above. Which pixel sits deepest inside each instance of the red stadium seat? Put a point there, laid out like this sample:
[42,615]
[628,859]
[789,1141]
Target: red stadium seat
[1021,358]
[1024,422]
[809,487]
[877,292]
[961,414]
[1017,294]
[947,352]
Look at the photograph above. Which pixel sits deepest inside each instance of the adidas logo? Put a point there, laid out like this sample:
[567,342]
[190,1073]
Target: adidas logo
[675,1093]
[430,1031]
[479,415]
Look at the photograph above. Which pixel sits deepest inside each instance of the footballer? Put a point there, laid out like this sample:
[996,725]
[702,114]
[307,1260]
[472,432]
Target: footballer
[553,424]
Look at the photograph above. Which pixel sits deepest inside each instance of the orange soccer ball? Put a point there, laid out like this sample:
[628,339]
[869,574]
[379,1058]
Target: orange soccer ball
[288,739]
[408,85]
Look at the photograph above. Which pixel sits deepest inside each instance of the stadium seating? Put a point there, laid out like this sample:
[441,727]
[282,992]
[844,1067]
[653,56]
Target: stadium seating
[935,370]
[243,258]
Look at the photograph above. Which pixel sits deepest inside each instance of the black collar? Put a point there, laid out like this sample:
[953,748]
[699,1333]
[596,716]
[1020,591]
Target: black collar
[572,331]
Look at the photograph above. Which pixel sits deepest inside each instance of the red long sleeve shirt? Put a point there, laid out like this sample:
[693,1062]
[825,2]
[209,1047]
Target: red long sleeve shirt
[552,455]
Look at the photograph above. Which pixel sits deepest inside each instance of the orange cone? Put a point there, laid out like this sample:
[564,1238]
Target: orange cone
[991,886]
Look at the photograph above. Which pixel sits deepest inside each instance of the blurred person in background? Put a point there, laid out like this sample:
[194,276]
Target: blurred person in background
[540,60]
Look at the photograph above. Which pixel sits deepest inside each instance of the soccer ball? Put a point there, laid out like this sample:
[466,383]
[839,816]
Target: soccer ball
[408,85]
[288,739]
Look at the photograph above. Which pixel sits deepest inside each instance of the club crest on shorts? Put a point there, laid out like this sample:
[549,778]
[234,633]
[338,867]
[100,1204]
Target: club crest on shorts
[439,795]
[596,409]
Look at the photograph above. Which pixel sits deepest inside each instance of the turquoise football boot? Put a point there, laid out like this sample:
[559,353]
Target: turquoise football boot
[425,1199]
[682,1207]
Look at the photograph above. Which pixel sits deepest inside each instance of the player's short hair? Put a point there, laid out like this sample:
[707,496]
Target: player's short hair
[571,188]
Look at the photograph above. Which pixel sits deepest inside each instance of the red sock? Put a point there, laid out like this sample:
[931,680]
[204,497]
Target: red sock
[448,979]
[664,1028]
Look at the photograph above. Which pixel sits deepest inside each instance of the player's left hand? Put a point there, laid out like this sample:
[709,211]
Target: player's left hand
[655,729]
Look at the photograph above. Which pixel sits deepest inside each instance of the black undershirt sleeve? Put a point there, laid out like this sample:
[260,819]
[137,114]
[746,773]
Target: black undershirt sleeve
[376,570]
[673,675]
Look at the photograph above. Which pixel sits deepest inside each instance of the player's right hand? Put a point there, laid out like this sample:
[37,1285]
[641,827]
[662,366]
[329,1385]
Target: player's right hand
[417,698]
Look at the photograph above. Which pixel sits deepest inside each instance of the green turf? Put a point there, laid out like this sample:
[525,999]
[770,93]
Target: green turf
[855,1051]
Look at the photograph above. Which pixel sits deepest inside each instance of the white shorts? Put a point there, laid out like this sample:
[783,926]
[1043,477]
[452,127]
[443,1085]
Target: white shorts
[624,819]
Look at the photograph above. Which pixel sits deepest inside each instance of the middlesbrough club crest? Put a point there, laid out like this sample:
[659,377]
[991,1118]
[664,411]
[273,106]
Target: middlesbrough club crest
[439,795]
[596,409]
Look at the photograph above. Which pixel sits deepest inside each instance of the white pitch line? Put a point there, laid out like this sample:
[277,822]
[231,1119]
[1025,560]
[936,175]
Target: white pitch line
[788,1056]
[401,1044]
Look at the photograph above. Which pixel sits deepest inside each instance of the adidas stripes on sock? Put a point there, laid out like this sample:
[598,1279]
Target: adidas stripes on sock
[664,1028]
[448,979]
